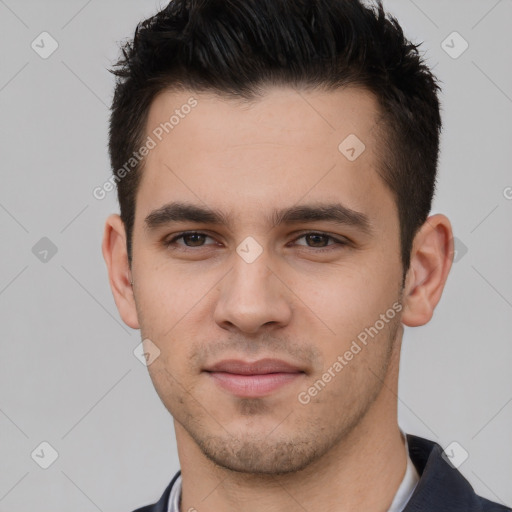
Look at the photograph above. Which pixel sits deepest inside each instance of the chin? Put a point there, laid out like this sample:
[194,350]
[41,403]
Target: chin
[261,455]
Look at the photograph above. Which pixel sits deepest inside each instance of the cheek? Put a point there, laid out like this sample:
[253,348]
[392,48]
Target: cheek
[347,299]
[166,295]
[168,383]
[351,305]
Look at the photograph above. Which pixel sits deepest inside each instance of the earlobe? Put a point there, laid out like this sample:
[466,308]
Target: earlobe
[431,260]
[116,257]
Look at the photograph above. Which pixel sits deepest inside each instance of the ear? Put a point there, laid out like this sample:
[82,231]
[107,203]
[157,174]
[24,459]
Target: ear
[431,260]
[119,272]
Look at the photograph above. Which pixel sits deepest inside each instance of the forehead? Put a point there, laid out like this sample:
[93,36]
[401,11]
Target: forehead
[282,114]
[275,149]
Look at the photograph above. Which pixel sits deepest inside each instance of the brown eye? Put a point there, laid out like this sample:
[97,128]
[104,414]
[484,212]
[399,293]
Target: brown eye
[316,238]
[195,239]
[320,241]
[190,239]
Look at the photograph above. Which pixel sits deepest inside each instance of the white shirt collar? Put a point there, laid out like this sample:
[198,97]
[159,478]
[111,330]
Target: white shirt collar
[175,496]
[409,482]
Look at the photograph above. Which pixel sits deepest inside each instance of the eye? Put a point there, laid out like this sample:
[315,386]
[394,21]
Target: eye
[318,239]
[194,237]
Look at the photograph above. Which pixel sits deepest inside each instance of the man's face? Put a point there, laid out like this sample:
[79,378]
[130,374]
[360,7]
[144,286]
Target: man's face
[299,291]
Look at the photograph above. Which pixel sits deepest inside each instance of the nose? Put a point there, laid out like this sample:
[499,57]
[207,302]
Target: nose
[253,297]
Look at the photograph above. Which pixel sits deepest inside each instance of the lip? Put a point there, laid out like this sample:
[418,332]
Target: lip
[253,379]
[260,367]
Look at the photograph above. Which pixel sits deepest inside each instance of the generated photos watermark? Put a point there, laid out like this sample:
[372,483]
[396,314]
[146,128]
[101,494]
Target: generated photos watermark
[100,192]
[304,397]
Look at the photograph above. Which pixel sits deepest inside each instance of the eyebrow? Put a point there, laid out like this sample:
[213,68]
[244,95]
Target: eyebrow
[307,213]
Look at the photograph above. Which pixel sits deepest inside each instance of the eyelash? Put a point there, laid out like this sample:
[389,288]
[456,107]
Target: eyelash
[339,242]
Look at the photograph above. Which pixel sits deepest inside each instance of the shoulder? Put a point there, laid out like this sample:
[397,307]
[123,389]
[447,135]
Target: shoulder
[441,485]
[491,506]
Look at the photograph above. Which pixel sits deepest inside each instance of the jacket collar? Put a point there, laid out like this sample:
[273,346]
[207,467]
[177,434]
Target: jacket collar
[441,486]
[162,504]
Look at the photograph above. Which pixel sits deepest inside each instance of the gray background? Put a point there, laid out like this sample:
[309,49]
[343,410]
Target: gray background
[68,375]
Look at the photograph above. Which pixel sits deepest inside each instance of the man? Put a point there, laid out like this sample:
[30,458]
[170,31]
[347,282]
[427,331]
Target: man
[275,163]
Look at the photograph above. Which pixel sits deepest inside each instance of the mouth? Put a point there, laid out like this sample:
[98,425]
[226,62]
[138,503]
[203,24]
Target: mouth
[253,379]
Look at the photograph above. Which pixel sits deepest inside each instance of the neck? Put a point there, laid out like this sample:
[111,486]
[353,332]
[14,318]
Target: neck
[362,471]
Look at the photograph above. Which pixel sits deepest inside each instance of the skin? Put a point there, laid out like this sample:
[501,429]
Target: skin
[202,303]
